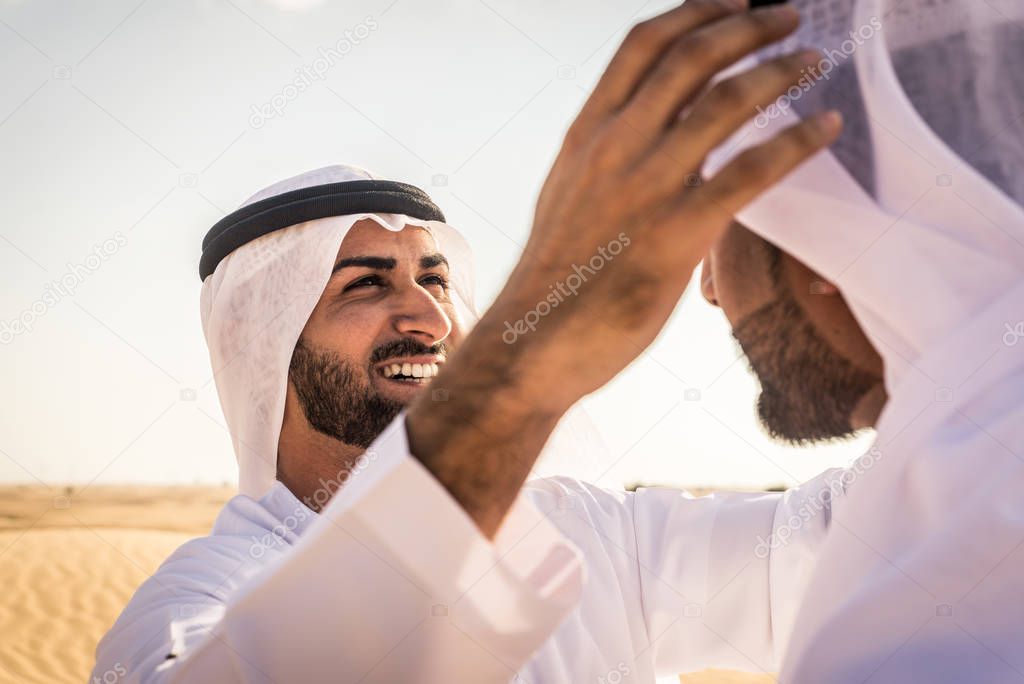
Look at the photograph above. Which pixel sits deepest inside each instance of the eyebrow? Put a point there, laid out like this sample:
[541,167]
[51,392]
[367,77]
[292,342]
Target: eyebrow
[388,263]
[375,262]
[432,260]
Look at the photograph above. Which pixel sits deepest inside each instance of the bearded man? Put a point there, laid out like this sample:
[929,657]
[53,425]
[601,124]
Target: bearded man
[372,543]
[881,284]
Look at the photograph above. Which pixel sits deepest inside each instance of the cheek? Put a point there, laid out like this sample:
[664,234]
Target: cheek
[742,282]
[456,336]
[352,332]
[722,273]
[459,327]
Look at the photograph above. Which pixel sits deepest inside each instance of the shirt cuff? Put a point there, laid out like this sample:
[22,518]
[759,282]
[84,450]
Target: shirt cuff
[508,594]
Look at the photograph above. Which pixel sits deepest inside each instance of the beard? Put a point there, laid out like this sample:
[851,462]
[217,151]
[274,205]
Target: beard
[808,391]
[337,400]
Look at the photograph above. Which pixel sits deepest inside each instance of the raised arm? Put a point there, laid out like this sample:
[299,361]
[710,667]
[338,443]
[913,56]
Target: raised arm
[624,207]
[353,598]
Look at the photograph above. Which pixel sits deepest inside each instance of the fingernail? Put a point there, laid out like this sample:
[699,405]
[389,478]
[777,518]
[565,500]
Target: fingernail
[809,57]
[829,123]
[733,5]
[783,14]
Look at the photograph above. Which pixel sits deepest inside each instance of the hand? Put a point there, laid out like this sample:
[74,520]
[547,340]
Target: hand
[625,193]
[617,233]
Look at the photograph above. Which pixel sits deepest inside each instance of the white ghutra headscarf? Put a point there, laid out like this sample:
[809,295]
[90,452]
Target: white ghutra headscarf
[922,193]
[916,214]
[256,303]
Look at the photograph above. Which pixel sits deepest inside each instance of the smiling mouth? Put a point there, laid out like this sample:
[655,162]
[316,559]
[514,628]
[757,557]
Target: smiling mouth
[412,373]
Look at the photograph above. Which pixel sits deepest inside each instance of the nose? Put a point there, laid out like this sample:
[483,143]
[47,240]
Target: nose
[707,281]
[420,315]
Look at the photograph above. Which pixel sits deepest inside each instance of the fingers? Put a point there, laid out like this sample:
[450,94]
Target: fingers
[641,49]
[718,114]
[760,167]
[732,102]
[697,56]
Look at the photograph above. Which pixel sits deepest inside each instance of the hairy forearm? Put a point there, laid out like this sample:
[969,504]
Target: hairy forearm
[481,425]
[623,178]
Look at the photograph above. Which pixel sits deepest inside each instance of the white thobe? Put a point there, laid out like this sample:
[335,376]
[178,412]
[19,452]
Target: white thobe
[393,582]
[919,579]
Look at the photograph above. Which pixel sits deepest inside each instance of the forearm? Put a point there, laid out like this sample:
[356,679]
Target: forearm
[621,178]
[483,423]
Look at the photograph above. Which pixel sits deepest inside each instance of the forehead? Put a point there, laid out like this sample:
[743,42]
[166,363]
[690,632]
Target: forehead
[369,238]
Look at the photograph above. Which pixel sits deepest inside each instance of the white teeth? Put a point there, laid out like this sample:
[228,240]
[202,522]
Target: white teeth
[410,370]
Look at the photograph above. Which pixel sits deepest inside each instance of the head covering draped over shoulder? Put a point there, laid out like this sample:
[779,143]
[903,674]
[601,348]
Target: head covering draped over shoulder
[915,213]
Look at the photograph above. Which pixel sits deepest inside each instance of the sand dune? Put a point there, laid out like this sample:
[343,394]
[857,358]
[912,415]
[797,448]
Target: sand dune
[63,589]
[70,561]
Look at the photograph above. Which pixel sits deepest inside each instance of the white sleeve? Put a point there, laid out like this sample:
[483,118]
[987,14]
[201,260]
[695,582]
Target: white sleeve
[722,575]
[393,582]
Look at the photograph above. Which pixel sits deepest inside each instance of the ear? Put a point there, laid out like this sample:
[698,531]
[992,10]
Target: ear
[707,282]
[820,286]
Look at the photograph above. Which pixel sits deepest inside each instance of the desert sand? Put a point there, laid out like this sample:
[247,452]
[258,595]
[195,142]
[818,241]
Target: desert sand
[70,558]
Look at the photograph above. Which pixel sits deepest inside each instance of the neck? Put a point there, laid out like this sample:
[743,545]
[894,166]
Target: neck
[314,466]
[865,413]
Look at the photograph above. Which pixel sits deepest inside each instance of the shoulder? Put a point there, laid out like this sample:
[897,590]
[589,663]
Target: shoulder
[195,582]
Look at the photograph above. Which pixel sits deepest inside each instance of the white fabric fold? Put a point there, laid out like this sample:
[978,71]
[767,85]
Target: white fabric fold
[916,214]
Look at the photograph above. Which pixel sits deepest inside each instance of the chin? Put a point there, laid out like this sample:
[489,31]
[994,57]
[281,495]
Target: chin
[802,425]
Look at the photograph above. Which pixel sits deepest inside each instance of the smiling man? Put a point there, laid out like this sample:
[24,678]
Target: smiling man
[383,532]
[384,325]
[429,560]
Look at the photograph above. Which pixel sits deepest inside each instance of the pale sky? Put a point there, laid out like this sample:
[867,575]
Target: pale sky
[127,129]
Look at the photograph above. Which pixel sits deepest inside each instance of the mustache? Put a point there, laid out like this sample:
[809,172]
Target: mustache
[406,346]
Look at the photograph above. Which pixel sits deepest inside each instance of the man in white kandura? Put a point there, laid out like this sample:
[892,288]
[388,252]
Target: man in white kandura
[374,545]
[878,285]
[915,216]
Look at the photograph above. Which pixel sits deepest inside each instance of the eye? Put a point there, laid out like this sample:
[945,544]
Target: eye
[364,282]
[435,279]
